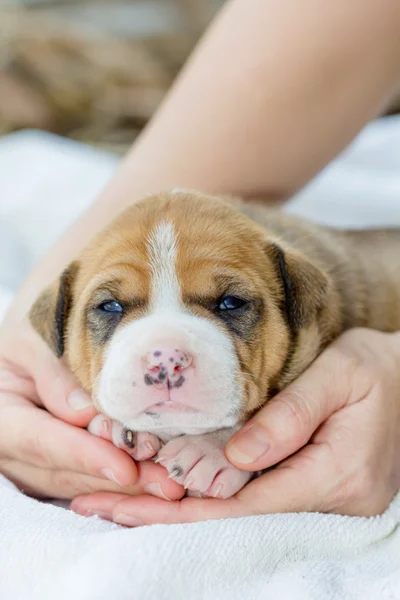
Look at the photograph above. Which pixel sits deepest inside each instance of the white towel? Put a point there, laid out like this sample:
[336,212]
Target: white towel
[48,552]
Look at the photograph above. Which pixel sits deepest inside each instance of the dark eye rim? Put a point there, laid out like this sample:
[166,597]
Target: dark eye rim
[243,304]
[101,307]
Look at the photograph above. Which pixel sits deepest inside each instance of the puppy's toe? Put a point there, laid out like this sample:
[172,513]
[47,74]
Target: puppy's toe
[172,449]
[202,475]
[140,445]
[200,465]
[228,482]
[180,464]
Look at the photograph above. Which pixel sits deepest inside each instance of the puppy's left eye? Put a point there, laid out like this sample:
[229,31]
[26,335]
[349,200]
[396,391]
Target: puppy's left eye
[231,303]
[111,306]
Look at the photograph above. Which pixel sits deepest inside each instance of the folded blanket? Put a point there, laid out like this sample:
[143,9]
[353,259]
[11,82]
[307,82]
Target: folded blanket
[48,552]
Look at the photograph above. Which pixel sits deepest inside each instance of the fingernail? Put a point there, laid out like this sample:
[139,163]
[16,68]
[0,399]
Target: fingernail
[79,400]
[127,520]
[155,489]
[110,475]
[99,425]
[248,446]
[96,513]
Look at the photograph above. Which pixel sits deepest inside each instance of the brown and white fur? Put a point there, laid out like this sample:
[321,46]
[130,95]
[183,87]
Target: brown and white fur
[187,313]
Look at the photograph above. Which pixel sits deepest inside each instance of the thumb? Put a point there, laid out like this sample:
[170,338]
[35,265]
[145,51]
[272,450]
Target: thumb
[57,388]
[62,395]
[289,420]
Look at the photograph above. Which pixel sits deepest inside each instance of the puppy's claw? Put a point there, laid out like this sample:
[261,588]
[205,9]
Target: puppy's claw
[218,490]
[175,473]
[150,447]
[188,483]
[129,438]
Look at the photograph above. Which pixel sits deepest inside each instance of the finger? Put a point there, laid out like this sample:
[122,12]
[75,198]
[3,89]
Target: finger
[33,436]
[17,381]
[153,481]
[61,394]
[280,490]
[283,489]
[99,504]
[147,510]
[52,483]
[105,428]
[289,420]
[56,387]
[66,485]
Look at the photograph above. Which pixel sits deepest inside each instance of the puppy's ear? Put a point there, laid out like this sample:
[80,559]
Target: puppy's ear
[304,285]
[49,314]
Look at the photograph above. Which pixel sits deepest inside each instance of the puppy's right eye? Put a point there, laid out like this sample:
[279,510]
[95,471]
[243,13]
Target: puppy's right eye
[111,306]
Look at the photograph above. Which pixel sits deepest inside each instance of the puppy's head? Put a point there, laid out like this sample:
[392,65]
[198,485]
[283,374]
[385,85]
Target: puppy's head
[179,316]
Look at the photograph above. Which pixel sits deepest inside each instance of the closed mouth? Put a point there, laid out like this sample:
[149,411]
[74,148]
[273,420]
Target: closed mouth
[169,406]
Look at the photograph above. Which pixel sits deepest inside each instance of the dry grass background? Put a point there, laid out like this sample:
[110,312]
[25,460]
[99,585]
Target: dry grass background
[93,70]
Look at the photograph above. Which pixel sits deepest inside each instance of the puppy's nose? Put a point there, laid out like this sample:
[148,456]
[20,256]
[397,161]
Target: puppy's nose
[165,365]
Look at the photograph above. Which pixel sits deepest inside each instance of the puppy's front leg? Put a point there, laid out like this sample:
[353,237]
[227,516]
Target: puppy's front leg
[198,462]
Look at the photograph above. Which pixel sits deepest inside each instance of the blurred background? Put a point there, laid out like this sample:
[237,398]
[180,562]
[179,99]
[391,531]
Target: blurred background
[93,70]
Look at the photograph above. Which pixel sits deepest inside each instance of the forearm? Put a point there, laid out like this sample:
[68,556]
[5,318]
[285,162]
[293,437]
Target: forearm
[275,89]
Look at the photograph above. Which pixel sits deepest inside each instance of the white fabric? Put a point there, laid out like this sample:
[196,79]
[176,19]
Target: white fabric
[48,552]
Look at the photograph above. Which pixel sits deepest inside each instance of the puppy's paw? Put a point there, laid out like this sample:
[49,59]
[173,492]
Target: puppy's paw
[198,463]
[140,445]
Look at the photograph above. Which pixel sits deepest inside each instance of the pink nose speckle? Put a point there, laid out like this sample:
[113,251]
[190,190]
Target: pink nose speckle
[166,367]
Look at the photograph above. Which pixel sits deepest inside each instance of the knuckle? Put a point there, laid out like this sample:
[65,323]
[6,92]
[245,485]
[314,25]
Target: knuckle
[342,359]
[81,463]
[361,489]
[32,448]
[370,370]
[294,415]
[358,369]
[64,482]
[364,485]
[69,484]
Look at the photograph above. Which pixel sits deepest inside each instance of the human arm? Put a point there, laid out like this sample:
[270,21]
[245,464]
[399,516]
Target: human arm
[271,94]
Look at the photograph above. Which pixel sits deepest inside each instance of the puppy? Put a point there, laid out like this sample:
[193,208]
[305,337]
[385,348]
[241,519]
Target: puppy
[187,313]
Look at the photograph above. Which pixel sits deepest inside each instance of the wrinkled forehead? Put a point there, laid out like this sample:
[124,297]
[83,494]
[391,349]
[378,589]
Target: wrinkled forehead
[173,248]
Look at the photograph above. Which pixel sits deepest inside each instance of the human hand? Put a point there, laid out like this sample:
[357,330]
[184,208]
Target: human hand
[335,433]
[44,448]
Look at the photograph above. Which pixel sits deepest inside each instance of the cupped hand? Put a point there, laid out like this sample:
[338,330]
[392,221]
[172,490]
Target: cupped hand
[44,446]
[333,434]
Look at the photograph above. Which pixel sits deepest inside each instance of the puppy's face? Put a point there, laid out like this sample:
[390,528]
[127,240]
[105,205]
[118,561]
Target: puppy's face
[180,315]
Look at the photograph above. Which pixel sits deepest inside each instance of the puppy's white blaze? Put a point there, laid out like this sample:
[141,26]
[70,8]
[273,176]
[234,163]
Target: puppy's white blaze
[214,389]
[165,288]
